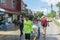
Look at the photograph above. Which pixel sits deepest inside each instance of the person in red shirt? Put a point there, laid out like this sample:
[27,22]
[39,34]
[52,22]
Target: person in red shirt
[44,23]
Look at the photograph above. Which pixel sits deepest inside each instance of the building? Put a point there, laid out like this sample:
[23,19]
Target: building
[12,8]
[23,5]
[23,8]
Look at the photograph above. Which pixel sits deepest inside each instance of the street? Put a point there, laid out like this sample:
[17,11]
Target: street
[15,14]
[51,34]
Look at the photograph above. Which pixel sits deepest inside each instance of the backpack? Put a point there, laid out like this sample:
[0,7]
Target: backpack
[44,21]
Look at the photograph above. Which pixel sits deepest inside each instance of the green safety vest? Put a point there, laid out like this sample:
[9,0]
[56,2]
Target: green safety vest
[27,26]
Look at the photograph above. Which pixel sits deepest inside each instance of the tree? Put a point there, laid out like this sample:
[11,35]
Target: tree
[52,14]
[39,14]
[31,17]
[25,11]
[49,15]
[58,5]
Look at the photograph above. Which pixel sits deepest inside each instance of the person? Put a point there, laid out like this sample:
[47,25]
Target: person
[39,25]
[44,23]
[15,22]
[27,28]
[35,28]
[21,25]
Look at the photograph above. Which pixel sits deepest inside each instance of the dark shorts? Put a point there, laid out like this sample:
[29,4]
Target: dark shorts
[27,36]
[44,25]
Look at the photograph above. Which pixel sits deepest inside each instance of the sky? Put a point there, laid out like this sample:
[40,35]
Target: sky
[41,5]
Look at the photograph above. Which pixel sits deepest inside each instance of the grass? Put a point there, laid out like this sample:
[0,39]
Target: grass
[49,18]
[57,23]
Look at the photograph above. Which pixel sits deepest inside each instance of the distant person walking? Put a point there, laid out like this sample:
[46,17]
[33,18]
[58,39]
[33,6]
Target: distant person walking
[27,28]
[21,25]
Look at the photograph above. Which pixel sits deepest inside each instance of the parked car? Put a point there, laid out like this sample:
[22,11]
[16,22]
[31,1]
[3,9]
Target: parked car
[6,25]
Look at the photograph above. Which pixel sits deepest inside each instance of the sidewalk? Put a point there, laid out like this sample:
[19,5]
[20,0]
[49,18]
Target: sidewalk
[10,35]
[17,32]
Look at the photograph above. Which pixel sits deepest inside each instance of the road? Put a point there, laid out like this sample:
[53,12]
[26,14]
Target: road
[51,34]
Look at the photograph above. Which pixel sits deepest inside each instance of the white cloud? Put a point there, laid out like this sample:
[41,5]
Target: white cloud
[44,10]
[54,2]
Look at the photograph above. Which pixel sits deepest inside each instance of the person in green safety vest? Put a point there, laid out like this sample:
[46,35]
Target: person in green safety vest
[27,28]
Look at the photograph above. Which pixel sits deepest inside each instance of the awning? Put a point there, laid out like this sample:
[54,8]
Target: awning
[9,12]
[2,11]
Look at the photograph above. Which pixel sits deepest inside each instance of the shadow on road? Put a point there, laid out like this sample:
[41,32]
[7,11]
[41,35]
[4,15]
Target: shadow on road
[17,37]
[9,29]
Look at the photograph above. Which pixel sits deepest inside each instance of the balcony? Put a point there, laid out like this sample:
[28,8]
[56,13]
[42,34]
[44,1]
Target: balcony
[2,4]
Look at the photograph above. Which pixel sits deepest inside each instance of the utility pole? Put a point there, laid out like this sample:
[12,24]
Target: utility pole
[51,7]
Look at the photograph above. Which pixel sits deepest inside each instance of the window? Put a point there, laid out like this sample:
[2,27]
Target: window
[3,2]
[13,4]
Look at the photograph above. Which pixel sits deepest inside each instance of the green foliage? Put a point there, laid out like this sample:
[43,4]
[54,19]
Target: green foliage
[52,14]
[40,14]
[58,5]
[31,17]
[57,23]
[49,15]
[25,12]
